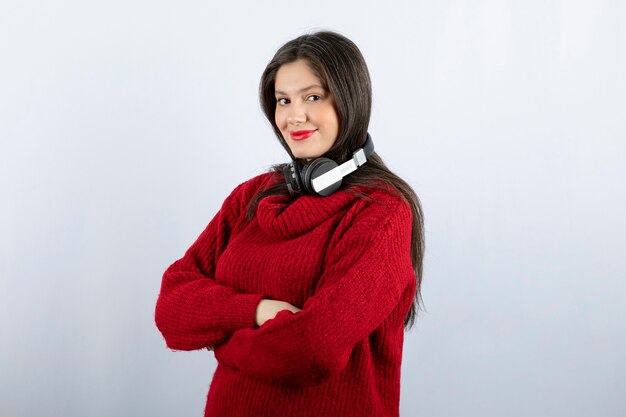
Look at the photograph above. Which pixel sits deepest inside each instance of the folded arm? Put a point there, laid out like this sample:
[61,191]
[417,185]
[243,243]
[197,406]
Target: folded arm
[192,310]
[368,271]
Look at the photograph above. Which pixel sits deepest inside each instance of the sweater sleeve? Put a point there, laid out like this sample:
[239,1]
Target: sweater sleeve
[368,271]
[192,310]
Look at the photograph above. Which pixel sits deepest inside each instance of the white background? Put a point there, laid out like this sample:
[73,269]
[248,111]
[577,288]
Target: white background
[124,125]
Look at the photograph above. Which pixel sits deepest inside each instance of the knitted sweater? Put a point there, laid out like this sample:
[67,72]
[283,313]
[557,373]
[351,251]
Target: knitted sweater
[343,260]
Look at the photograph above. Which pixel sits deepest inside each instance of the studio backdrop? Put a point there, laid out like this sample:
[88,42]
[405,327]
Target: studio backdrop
[124,125]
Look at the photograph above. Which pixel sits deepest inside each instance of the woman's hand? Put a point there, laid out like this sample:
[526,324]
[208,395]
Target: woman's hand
[267,310]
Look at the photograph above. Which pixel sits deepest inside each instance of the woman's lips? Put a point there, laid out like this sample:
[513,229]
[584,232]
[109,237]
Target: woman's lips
[301,134]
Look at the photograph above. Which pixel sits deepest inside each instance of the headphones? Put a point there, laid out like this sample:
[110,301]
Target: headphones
[322,176]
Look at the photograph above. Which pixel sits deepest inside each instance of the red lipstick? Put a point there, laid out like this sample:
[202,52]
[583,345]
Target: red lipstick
[301,134]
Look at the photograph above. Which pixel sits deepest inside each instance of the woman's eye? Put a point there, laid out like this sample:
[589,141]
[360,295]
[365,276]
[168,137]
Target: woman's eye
[282,101]
[314,97]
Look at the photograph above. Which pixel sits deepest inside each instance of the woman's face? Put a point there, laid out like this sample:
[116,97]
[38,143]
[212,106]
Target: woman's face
[305,111]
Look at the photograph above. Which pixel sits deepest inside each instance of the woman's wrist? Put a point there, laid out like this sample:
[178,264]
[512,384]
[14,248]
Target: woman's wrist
[267,309]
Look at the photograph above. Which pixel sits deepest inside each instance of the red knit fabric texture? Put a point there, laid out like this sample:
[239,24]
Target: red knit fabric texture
[343,260]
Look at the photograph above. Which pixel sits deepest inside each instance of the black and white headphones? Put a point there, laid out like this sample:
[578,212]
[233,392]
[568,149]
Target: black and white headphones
[323,176]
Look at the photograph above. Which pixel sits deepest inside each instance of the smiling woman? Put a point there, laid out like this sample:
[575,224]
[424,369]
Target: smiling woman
[303,293]
[305,111]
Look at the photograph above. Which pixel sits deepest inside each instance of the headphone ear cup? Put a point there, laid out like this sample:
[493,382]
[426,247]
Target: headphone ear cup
[315,169]
[292,177]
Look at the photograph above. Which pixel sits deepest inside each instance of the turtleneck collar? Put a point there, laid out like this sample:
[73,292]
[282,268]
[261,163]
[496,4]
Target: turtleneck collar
[286,218]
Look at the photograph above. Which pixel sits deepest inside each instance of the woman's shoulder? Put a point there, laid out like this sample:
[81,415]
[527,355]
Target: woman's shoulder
[379,205]
[380,196]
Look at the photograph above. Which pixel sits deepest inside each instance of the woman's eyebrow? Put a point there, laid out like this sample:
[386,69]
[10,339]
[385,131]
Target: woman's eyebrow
[301,90]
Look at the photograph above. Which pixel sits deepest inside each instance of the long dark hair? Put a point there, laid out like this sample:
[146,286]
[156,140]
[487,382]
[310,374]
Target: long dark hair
[340,66]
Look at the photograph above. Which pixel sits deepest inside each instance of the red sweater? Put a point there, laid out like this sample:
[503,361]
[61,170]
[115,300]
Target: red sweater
[343,260]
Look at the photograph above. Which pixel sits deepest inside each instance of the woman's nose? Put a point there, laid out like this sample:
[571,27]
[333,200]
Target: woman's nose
[296,115]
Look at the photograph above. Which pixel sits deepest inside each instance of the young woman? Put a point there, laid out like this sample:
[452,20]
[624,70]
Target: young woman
[304,282]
